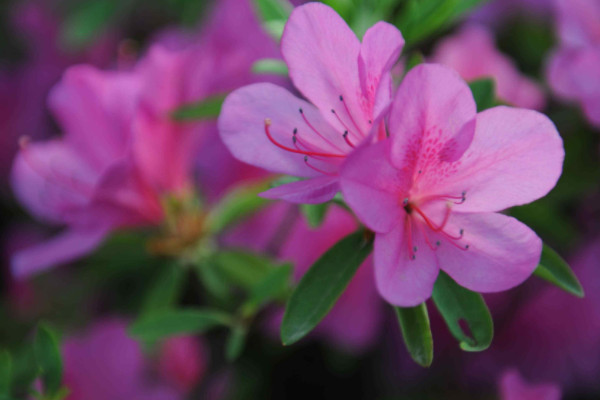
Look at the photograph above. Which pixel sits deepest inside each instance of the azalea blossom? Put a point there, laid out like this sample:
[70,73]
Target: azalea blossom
[573,71]
[122,156]
[348,86]
[513,387]
[511,86]
[432,192]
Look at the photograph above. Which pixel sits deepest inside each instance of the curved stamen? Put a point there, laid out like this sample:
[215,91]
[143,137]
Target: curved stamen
[461,199]
[345,135]
[317,169]
[344,124]
[317,132]
[350,114]
[296,150]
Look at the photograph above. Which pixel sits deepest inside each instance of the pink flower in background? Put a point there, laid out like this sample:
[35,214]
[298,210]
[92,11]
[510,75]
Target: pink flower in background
[432,192]
[349,85]
[24,87]
[573,71]
[104,363]
[497,11]
[183,362]
[513,387]
[121,152]
[511,87]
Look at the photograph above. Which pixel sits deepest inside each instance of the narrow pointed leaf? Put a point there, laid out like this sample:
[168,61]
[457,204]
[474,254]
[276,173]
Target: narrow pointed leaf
[465,313]
[556,271]
[314,213]
[47,354]
[235,343]
[484,93]
[5,373]
[166,323]
[208,108]
[270,66]
[416,331]
[273,286]
[322,285]
[165,290]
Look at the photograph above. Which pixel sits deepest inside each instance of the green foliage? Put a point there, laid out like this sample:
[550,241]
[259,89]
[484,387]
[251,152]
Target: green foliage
[236,205]
[49,362]
[88,20]
[206,109]
[416,331]
[484,93]
[461,306]
[166,288]
[165,323]
[322,285]
[420,19]
[556,271]
[274,14]
[235,343]
[5,373]
[315,213]
[274,285]
[270,66]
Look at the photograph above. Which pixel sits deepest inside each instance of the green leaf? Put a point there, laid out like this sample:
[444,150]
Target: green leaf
[5,373]
[556,271]
[87,21]
[236,205]
[242,268]
[420,19]
[314,213]
[166,323]
[208,108]
[269,10]
[322,285]
[274,285]
[235,343]
[416,331]
[166,288]
[47,354]
[465,313]
[270,66]
[484,93]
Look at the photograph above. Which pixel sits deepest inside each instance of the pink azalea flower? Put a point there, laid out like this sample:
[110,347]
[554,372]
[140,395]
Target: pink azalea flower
[104,174]
[348,85]
[573,68]
[183,362]
[511,87]
[104,363]
[432,192]
[513,387]
[496,11]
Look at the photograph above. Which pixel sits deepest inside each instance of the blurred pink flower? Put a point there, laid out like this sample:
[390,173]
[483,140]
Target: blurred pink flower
[511,87]
[183,362]
[573,70]
[496,11]
[349,88]
[104,363]
[432,192]
[122,152]
[513,387]
[24,86]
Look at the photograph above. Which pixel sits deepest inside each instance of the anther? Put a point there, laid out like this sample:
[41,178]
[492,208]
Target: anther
[294,139]
[332,111]
[413,257]
[305,158]
[467,247]
[295,131]
[438,243]
[415,249]
[370,122]
[345,134]
[341,98]
[301,111]
[405,202]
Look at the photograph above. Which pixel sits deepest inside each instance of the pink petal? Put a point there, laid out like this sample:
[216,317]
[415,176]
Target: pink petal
[401,280]
[502,252]
[69,246]
[309,191]
[591,108]
[515,158]
[242,128]
[578,22]
[380,49]
[513,387]
[94,108]
[51,180]
[373,188]
[321,52]
[430,113]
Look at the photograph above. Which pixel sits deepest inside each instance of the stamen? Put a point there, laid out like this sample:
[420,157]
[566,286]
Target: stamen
[317,169]
[317,132]
[412,255]
[349,114]
[296,150]
[342,122]
[345,135]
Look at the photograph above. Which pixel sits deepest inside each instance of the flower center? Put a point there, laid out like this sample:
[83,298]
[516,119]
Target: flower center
[417,217]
